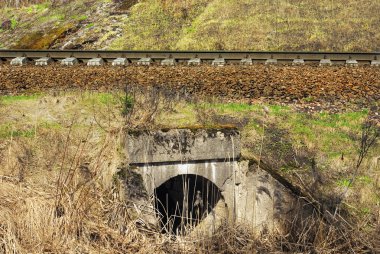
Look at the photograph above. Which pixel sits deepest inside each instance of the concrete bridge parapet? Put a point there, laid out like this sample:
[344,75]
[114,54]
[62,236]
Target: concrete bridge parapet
[183,145]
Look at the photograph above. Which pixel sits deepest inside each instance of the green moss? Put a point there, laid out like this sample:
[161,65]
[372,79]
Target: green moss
[42,39]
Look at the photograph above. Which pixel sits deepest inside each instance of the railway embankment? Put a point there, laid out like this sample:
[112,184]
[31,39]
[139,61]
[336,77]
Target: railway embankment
[310,87]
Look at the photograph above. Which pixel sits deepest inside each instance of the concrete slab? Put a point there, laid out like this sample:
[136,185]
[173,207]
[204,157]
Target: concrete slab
[19,61]
[43,61]
[271,62]
[219,62]
[352,62]
[298,62]
[246,61]
[194,61]
[325,62]
[375,63]
[168,62]
[70,61]
[182,145]
[120,62]
[95,62]
[145,61]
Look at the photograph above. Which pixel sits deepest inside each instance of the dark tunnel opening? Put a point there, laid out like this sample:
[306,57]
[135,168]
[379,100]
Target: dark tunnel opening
[183,201]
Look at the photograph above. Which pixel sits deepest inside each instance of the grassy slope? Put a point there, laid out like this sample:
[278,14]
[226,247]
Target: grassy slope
[255,25]
[198,24]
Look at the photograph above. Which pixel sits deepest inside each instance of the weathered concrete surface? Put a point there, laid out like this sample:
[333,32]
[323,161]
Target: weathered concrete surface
[19,61]
[262,202]
[246,61]
[194,61]
[325,62]
[44,61]
[217,172]
[70,61]
[95,62]
[298,62]
[120,61]
[251,195]
[219,62]
[271,62]
[179,145]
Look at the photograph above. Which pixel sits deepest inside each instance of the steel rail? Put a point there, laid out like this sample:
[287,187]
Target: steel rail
[182,56]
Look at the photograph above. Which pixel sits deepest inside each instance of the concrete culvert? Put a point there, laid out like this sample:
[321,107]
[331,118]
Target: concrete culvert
[182,202]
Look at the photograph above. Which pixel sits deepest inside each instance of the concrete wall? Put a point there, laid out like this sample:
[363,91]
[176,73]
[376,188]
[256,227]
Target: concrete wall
[182,145]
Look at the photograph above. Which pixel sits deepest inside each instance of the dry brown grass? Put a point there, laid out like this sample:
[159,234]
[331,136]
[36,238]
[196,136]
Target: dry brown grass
[60,191]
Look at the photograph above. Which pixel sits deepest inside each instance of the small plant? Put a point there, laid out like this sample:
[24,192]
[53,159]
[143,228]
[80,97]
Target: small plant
[344,183]
[128,105]
[13,23]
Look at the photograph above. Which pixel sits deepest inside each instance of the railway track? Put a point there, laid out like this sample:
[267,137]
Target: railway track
[119,57]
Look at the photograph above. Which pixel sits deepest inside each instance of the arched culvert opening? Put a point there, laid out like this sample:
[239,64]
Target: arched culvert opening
[184,201]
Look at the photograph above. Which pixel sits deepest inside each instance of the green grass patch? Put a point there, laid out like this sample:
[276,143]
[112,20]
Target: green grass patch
[344,183]
[10,99]
[365,179]
[8,131]
[80,17]
[37,8]
[51,18]
[50,125]
[102,99]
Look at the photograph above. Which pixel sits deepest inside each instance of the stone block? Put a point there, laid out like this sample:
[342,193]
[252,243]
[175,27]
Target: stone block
[120,62]
[219,62]
[194,61]
[298,62]
[246,61]
[70,61]
[271,62]
[168,62]
[352,62]
[325,62]
[178,145]
[44,61]
[375,63]
[19,61]
[145,61]
[95,62]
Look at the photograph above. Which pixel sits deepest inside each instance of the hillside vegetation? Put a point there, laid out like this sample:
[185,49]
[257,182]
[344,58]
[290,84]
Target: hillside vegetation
[326,25]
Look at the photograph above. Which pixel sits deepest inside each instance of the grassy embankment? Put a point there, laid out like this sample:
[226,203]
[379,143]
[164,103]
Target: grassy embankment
[247,25]
[196,24]
[60,155]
